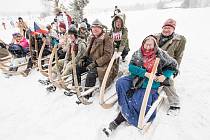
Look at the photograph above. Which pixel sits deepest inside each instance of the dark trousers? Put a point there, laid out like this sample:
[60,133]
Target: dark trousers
[91,76]
[119,119]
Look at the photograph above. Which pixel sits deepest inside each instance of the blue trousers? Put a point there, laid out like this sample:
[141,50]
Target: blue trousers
[130,107]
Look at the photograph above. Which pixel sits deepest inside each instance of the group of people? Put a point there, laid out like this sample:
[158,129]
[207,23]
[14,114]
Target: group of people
[94,48]
[169,47]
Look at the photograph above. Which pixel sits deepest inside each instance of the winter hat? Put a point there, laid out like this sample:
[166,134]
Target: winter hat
[62,25]
[170,22]
[16,34]
[72,30]
[83,25]
[49,26]
[97,23]
[20,18]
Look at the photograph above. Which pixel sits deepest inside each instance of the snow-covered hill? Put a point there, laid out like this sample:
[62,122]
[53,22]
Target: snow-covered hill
[27,112]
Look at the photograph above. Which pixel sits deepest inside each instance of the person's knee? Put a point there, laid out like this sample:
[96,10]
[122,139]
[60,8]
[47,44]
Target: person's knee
[121,81]
[91,79]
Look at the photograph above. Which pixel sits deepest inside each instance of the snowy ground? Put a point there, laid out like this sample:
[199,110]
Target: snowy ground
[27,112]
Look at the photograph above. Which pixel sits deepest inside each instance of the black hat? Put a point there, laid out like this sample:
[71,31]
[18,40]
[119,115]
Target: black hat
[19,18]
[72,30]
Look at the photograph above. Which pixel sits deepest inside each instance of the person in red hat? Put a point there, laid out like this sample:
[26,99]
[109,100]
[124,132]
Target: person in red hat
[62,28]
[174,44]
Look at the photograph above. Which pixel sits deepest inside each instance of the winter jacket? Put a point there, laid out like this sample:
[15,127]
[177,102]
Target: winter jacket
[64,42]
[83,35]
[174,47]
[80,50]
[122,35]
[100,50]
[167,66]
[24,43]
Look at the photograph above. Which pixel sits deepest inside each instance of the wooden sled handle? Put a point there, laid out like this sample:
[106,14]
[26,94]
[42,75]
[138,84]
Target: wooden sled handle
[146,95]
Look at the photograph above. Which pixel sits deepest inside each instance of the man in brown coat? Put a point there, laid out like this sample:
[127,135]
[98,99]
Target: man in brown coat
[174,44]
[97,57]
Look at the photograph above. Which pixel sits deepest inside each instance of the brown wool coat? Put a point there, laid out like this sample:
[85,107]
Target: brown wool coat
[174,47]
[101,50]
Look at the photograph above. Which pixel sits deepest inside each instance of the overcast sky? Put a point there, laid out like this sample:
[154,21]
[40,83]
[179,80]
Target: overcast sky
[20,6]
[25,6]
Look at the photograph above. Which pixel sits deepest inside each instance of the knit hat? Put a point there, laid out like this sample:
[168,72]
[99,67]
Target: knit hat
[16,34]
[72,30]
[62,25]
[170,22]
[97,23]
[83,25]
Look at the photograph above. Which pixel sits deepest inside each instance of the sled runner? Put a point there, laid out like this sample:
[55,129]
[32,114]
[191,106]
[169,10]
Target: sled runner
[54,61]
[143,123]
[6,69]
[76,84]
[105,102]
[43,61]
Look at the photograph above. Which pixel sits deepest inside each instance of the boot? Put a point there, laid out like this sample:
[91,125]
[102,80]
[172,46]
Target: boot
[44,82]
[112,126]
[13,68]
[173,110]
[51,88]
[26,72]
[69,93]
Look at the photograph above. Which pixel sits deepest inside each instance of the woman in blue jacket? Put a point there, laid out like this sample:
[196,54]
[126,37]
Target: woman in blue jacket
[131,89]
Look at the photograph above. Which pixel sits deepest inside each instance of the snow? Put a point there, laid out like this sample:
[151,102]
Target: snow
[27,112]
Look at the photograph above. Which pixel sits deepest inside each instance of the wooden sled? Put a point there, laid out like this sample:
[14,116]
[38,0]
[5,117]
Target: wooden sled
[105,102]
[143,123]
[76,84]
[43,61]
[108,102]
[54,62]
[5,58]
[5,68]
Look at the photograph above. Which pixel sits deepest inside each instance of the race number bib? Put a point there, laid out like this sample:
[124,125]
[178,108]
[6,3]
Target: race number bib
[117,36]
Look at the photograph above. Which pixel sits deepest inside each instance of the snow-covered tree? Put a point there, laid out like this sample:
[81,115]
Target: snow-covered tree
[76,9]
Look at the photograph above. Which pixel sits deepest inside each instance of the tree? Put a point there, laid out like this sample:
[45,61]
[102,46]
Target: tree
[76,9]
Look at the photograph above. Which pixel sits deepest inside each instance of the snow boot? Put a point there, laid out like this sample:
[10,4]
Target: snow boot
[26,72]
[69,93]
[112,126]
[13,68]
[44,82]
[173,110]
[51,88]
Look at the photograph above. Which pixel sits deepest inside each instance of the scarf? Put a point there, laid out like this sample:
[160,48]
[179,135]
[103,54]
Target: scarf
[74,46]
[164,39]
[148,59]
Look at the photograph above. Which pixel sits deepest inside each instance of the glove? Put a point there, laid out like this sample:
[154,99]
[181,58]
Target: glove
[160,78]
[92,66]
[82,61]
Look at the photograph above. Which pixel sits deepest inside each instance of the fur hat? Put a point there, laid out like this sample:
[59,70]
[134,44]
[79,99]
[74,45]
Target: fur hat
[62,25]
[97,23]
[170,22]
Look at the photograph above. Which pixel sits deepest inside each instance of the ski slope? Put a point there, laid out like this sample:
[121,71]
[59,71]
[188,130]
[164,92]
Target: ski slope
[28,112]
